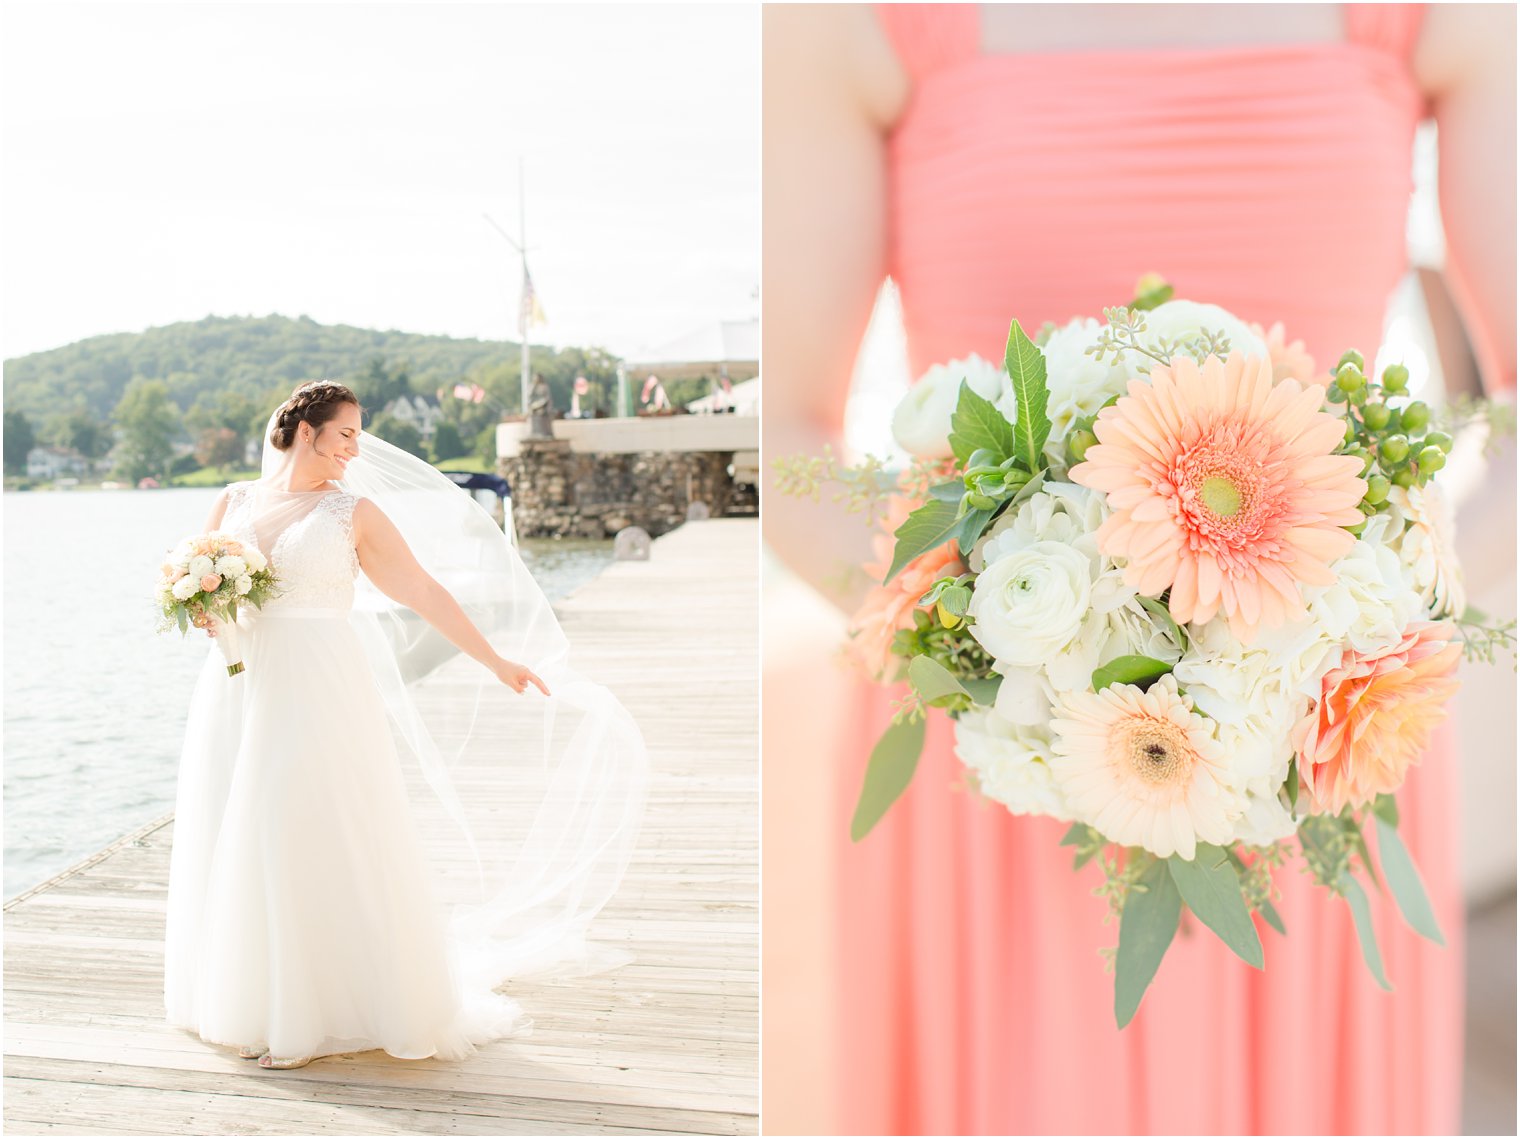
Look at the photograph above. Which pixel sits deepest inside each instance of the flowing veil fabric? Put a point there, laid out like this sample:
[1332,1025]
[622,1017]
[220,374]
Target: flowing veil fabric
[528,805]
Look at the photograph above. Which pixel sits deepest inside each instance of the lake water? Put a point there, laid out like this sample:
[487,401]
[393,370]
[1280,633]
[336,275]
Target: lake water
[95,699]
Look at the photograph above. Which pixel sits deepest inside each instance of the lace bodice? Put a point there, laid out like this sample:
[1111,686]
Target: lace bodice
[313,558]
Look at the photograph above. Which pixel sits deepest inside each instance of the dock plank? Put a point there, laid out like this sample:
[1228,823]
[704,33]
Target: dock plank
[668,1044]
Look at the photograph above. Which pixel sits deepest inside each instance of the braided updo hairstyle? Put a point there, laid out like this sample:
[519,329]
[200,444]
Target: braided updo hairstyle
[314,402]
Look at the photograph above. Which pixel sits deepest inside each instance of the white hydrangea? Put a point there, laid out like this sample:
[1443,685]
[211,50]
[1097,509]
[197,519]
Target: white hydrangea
[1078,384]
[200,566]
[1424,537]
[231,566]
[921,423]
[1010,763]
[186,587]
[1183,320]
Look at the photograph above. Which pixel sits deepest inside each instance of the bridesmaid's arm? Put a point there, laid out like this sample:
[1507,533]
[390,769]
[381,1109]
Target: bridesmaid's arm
[388,562]
[1465,64]
[831,89]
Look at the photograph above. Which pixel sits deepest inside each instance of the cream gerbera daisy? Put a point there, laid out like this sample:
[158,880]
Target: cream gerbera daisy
[1225,488]
[1144,768]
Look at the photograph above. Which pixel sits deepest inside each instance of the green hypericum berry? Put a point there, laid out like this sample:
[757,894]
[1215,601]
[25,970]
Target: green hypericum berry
[1376,416]
[1364,455]
[1439,439]
[1351,356]
[980,501]
[1350,432]
[1358,397]
[1404,477]
[1358,528]
[1395,448]
[1077,444]
[1377,489]
[1432,459]
[1395,377]
[1349,378]
[1414,418]
[1336,395]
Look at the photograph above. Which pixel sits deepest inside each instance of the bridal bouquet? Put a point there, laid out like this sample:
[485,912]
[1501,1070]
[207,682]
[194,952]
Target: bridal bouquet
[1177,590]
[205,579]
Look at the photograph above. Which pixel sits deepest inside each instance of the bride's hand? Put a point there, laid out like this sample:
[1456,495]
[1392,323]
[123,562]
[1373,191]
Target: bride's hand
[201,621]
[517,677]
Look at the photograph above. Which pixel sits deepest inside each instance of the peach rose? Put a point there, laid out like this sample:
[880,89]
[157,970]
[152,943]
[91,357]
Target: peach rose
[210,582]
[1374,717]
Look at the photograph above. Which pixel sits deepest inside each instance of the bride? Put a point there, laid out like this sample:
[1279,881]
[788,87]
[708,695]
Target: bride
[309,911]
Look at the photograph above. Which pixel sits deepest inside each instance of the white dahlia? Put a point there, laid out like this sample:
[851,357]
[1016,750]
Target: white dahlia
[1428,548]
[1010,763]
[1144,768]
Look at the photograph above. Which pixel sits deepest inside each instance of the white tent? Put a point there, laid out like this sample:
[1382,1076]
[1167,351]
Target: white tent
[722,342]
[744,399]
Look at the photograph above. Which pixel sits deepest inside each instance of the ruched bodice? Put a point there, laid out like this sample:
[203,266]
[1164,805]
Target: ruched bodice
[1271,179]
[313,557]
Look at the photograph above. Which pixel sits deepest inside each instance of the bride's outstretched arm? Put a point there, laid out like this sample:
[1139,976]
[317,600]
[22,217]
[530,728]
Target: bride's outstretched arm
[388,562]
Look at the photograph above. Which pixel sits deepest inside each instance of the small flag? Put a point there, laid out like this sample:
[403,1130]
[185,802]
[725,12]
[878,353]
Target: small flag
[470,393]
[532,312]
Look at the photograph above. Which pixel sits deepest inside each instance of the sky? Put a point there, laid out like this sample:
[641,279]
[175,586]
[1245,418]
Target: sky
[163,162]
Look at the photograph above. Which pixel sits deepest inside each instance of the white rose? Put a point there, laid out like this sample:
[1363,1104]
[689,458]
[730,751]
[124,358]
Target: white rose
[231,566]
[185,587]
[200,566]
[921,423]
[1183,320]
[1078,384]
[1010,763]
[256,561]
[1030,603]
[243,585]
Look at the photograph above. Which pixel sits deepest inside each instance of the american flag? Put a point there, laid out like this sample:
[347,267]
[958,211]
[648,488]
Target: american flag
[532,312]
[470,393]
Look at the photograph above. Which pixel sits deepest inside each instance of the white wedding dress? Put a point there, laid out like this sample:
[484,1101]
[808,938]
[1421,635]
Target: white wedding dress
[302,911]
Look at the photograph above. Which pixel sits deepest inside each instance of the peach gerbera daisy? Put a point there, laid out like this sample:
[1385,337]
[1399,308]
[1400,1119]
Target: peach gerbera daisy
[1144,768]
[888,608]
[1225,489]
[1374,717]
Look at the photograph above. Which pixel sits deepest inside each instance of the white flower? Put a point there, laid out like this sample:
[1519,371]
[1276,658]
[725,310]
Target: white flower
[1010,763]
[1183,320]
[1144,768]
[1266,821]
[1078,384]
[231,566]
[256,561]
[1030,603]
[1427,547]
[243,584]
[200,566]
[1373,599]
[921,423]
[186,587]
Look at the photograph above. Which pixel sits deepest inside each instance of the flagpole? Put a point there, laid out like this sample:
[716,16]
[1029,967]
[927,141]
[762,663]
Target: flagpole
[522,306]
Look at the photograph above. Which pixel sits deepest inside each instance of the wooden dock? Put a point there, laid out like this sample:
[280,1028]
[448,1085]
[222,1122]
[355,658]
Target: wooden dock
[666,1044]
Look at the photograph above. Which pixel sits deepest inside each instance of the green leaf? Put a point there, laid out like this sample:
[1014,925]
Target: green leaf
[1269,914]
[932,680]
[1146,929]
[948,491]
[182,619]
[893,761]
[1211,888]
[1405,885]
[1361,847]
[1292,786]
[1163,614]
[1386,808]
[1076,835]
[1026,368]
[932,524]
[977,425]
[956,599]
[1137,670]
[1361,912]
[984,690]
[972,527]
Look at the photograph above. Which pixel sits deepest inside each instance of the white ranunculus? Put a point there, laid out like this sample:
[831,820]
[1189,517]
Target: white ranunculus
[231,566]
[1030,603]
[1177,321]
[921,423]
[1010,763]
[1078,384]
[200,566]
[186,587]
[243,585]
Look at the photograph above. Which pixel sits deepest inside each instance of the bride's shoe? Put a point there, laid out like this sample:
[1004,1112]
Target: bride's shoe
[268,1060]
[252,1051]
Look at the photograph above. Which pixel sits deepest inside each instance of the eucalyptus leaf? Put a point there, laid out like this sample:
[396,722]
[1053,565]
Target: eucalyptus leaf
[1269,915]
[948,491]
[1386,808]
[971,528]
[893,761]
[1076,835]
[1211,888]
[932,680]
[977,425]
[956,599]
[1405,885]
[1138,670]
[1361,913]
[1026,368]
[932,524]
[1146,929]
[1292,786]
[983,690]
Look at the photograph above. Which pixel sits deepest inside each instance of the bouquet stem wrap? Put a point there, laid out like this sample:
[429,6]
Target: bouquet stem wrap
[227,641]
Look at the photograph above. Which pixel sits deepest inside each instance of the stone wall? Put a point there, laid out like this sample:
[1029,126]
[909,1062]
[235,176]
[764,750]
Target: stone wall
[559,493]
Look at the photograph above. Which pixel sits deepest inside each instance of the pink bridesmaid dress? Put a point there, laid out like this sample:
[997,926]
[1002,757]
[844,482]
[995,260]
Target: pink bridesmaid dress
[1273,180]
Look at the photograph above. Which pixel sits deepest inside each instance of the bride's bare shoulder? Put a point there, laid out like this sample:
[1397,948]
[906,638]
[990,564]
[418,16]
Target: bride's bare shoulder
[1460,44]
[834,53]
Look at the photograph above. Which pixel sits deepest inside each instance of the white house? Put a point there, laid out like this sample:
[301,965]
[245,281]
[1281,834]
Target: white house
[55,462]
[416,411]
